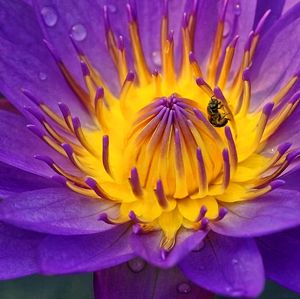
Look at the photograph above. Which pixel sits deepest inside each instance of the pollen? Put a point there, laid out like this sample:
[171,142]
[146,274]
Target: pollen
[165,158]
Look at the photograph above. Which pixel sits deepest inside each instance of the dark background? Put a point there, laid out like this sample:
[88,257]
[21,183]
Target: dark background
[80,287]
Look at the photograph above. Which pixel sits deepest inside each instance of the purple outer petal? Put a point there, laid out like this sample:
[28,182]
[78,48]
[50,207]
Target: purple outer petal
[277,57]
[273,212]
[14,180]
[87,253]
[24,59]
[89,14]
[55,211]
[18,250]
[276,11]
[289,4]
[226,266]
[147,246]
[18,145]
[136,279]
[281,256]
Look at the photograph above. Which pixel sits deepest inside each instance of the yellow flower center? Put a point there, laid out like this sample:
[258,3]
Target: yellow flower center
[170,149]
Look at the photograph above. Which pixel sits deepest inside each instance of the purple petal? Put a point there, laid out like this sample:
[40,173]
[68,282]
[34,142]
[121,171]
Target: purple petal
[87,253]
[84,22]
[276,211]
[277,57]
[289,4]
[18,250]
[281,256]
[226,266]
[25,61]
[55,211]
[276,8]
[136,279]
[14,180]
[18,145]
[148,247]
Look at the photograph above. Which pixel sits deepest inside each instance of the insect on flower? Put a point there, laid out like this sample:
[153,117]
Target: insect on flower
[216,118]
[144,143]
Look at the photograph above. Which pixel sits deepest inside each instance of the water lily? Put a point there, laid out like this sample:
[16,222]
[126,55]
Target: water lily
[154,143]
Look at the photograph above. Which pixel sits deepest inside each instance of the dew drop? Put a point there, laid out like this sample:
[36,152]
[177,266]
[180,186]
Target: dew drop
[136,265]
[184,288]
[234,261]
[49,16]
[199,247]
[237,292]
[78,32]
[237,8]
[156,58]
[226,29]
[43,76]
[112,8]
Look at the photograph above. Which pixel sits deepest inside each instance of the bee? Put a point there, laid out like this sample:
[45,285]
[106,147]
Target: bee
[216,118]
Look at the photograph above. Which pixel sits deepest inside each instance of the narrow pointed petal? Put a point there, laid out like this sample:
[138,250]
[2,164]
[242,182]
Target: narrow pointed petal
[148,247]
[55,211]
[14,180]
[87,253]
[226,266]
[276,211]
[137,279]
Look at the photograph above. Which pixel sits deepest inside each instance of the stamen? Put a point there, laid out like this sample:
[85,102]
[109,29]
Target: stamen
[95,187]
[160,194]
[110,38]
[135,183]
[217,47]
[81,138]
[226,169]
[54,116]
[244,107]
[168,59]
[267,109]
[139,57]
[232,149]
[226,66]
[127,85]
[222,213]
[202,178]
[196,70]
[105,154]
[88,80]
[122,62]
[202,213]
[67,115]
[193,21]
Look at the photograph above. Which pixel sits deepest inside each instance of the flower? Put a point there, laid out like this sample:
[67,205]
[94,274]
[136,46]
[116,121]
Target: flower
[172,141]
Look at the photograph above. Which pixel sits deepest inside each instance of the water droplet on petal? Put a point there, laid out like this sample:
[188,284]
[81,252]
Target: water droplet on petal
[226,29]
[199,247]
[184,288]
[237,292]
[234,261]
[43,76]
[78,32]
[237,8]
[156,57]
[136,265]
[49,16]
[112,8]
